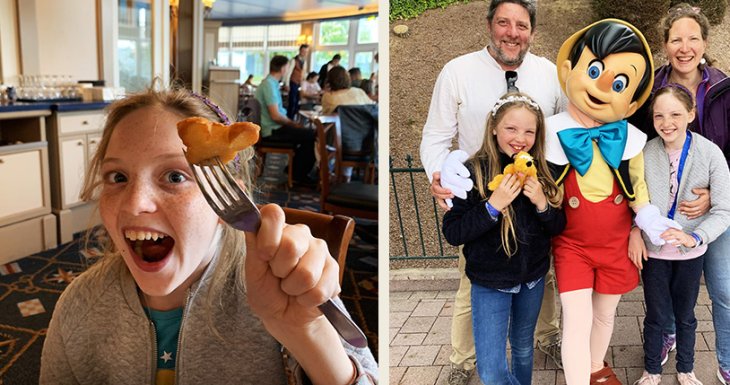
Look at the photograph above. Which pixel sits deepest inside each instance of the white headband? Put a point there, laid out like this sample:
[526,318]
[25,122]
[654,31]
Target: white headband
[513,99]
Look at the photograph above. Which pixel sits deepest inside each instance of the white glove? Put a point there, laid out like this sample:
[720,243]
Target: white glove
[455,176]
[654,224]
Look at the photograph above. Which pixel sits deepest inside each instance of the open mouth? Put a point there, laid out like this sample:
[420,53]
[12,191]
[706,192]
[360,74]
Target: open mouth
[150,246]
[595,100]
[516,149]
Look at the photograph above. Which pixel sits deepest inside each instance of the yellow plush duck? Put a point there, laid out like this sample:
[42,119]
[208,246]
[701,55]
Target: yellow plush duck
[523,166]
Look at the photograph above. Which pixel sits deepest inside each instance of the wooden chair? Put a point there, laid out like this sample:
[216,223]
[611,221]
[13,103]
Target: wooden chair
[358,136]
[355,199]
[251,112]
[336,230]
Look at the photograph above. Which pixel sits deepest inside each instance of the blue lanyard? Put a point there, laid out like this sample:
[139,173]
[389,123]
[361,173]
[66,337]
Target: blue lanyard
[682,159]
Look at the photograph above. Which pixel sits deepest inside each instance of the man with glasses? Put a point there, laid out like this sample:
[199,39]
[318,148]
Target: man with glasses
[465,92]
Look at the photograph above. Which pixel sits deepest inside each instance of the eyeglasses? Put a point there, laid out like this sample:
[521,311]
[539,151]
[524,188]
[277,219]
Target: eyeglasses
[511,77]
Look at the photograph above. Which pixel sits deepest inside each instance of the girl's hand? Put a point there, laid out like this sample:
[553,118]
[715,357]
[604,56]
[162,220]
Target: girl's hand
[637,248]
[678,238]
[505,193]
[533,190]
[697,207]
[288,272]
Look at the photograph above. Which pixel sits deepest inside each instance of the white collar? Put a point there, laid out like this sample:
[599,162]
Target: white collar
[556,123]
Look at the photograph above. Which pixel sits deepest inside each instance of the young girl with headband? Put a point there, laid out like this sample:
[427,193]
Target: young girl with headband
[506,237]
[677,161]
[180,297]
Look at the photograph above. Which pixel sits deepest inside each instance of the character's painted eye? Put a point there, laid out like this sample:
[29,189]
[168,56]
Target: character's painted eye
[595,68]
[619,83]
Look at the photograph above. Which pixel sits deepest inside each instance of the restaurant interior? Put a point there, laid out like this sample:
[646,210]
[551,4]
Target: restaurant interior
[63,62]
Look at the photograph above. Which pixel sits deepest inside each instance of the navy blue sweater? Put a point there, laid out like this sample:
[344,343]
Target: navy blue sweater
[468,223]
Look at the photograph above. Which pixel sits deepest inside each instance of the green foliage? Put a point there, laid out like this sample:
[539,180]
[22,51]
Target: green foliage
[644,15]
[408,9]
[713,9]
[334,32]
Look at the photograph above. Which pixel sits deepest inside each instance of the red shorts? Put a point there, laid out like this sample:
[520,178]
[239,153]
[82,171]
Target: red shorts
[592,251]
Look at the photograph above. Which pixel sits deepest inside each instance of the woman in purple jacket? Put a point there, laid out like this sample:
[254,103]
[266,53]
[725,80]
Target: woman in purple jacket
[685,30]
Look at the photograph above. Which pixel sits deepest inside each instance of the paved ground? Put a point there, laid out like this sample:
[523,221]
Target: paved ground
[420,320]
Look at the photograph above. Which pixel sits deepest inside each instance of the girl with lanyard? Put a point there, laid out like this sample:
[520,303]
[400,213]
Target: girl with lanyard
[671,272]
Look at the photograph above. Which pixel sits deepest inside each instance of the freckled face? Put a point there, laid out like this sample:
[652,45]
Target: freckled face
[151,205]
[603,89]
[671,119]
[516,131]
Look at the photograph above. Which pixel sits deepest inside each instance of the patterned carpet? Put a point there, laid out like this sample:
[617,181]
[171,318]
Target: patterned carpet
[30,287]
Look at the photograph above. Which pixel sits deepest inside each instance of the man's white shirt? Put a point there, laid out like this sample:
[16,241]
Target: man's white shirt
[465,93]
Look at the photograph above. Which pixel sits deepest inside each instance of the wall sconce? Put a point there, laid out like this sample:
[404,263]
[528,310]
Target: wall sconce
[304,39]
[174,3]
[208,4]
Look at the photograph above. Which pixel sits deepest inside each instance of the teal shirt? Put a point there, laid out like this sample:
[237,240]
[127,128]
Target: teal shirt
[167,329]
[268,94]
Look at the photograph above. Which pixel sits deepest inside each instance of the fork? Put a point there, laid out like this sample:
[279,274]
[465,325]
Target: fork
[235,207]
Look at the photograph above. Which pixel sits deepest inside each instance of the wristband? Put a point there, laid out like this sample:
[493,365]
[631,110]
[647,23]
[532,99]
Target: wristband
[698,239]
[494,213]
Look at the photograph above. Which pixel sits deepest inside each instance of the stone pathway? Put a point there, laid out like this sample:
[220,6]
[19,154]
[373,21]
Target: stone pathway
[420,322]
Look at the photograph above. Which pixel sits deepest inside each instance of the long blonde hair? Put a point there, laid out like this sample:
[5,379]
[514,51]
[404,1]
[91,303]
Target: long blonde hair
[489,154]
[232,245]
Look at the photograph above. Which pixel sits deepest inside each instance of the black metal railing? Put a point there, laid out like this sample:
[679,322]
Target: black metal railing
[416,233]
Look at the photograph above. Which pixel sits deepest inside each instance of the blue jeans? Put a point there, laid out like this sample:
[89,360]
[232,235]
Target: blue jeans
[496,315]
[670,287]
[717,279]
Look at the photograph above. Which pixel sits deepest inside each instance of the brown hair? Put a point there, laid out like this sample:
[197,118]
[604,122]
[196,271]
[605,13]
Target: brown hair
[338,78]
[232,249]
[489,154]
[681,11]
[678,91]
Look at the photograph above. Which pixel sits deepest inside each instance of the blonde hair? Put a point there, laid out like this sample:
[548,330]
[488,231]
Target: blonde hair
[232,245]
[489,154]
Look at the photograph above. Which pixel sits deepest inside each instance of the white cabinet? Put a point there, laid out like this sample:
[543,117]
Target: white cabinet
[73,166]
[26,223]
[75,155]
[74,137]
[23,173]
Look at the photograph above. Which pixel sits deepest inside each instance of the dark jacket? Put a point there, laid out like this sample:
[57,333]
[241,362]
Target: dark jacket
[715,123]
[323,74]
[487,264]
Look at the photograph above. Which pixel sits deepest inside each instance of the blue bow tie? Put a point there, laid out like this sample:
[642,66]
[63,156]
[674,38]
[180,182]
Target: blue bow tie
[611,140]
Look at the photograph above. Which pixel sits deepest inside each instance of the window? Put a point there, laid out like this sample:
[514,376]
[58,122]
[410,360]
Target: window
[251,48]
[334,32]
[134,48]
[321,57]
[364,61]
[367,31]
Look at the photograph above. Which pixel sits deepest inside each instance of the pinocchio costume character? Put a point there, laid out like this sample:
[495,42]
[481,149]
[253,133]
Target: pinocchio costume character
[606,72]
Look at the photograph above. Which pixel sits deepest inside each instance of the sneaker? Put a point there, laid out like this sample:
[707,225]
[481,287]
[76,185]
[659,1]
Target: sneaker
[649,379]
[688,379]
[669,343]
[459,376]
[723,376]
[553,351]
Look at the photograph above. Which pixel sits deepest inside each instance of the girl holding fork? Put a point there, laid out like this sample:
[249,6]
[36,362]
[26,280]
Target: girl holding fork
[179,296]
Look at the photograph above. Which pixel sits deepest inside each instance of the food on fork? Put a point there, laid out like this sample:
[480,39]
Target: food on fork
[205,139]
